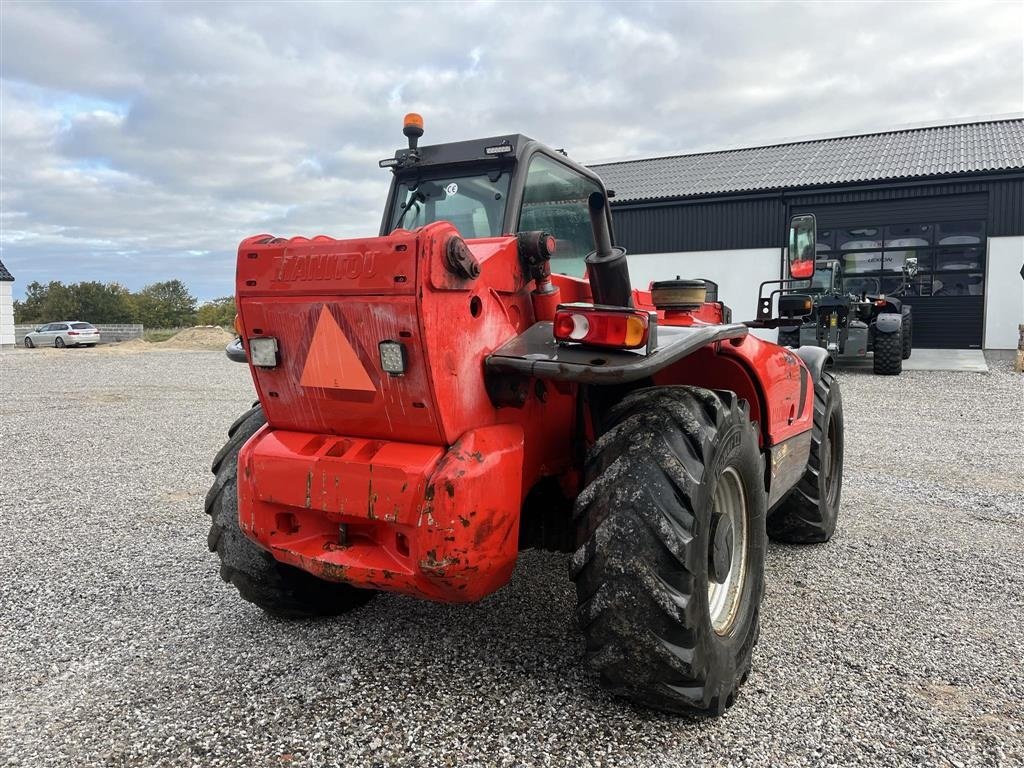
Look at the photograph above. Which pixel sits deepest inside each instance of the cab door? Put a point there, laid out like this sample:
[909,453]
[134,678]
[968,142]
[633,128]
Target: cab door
[555,200]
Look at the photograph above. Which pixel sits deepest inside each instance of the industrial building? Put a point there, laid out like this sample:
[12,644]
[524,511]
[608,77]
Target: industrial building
[951,196]
[6,307]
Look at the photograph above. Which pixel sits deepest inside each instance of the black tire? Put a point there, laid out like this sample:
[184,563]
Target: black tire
[908,336]
[278,589]
[888,354]
[642,568]
[789,338]
[28,343]
[59,343]
[810,511]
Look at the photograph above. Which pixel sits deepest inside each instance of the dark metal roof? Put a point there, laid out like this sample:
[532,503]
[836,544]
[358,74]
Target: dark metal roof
[5,276]
[996,145]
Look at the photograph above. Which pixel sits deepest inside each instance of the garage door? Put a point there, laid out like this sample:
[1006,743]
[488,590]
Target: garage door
[945,236]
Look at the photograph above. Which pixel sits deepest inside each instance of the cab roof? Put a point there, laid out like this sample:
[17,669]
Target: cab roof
[469,151]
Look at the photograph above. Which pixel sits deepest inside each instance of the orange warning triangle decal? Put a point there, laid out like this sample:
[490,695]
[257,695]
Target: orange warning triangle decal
[331,362]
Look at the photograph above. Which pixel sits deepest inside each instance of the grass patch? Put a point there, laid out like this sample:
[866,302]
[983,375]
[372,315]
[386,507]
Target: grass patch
[159,334]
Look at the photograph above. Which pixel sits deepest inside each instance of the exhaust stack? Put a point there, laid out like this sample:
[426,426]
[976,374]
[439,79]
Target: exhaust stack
[606,265]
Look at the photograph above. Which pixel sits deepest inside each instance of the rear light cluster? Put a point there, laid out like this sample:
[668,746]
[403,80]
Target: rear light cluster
[597,326]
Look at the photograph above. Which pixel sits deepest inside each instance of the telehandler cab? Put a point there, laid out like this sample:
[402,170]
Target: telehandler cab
[434,399]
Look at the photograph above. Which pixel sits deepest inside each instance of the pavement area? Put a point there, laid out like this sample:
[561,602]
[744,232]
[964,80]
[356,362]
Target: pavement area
[971,360]
[898,643]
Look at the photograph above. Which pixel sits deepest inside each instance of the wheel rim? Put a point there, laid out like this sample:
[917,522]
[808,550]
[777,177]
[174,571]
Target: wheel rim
[727,548]
[829,459]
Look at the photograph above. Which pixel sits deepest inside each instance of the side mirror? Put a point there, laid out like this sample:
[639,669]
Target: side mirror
[803,238]
[795,305]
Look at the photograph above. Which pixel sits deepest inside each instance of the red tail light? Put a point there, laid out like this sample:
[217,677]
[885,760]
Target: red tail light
[72,333]
[602,326]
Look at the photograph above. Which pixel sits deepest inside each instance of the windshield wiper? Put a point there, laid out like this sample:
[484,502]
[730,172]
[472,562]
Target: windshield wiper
[414,199]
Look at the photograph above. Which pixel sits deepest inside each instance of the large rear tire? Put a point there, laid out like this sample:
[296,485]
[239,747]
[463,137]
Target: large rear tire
[888,354]
[810,511]
[908,335]
[670,568]
[278,589]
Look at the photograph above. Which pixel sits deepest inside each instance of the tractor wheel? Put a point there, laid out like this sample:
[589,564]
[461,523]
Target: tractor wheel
[278,589]
[670,568]
[808,514]
[789,338]
[908,336]
[888,354]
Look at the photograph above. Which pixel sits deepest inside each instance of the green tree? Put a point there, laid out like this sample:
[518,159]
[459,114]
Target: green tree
[30,310]
[46,303]
[165,305]
[103,302]
[217,312]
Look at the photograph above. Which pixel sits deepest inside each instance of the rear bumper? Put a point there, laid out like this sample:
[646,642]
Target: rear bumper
[81,341]
[400,517]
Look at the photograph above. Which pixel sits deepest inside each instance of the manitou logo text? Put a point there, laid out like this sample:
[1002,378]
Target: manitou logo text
[299,267]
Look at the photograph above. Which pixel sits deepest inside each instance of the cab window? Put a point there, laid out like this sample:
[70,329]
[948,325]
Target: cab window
[555,200]
[473,204]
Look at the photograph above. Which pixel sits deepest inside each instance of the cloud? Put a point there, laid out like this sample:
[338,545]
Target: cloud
[142,142]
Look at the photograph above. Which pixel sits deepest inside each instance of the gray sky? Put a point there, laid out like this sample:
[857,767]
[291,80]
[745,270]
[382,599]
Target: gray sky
[141,142]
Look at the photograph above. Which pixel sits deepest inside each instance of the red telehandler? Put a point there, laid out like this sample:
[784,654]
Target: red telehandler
[439,397]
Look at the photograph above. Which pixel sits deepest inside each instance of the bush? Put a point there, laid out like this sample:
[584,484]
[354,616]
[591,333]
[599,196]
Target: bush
[217,312]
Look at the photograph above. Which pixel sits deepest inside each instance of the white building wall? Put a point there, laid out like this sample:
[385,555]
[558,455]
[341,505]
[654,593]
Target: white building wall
[738,273]
[6,314]
[1004,292]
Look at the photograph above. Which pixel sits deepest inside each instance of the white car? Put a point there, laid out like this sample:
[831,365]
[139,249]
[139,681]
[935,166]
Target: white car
[71,333]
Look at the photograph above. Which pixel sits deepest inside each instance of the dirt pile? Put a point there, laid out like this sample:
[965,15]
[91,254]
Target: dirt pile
[199,337]
[132,345]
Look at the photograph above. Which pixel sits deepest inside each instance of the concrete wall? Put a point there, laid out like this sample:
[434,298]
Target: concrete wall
[108,333]
[6,314]
[738,273]
[1004,292]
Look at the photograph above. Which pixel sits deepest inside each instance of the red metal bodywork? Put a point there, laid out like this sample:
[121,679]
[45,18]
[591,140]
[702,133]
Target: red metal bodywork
[414,483]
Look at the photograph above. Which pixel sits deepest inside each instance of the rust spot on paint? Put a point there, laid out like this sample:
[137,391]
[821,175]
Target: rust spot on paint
[483,531]
[309,489]
[333,571]
[371,497]
[464,521]
[449,488]
[431,563]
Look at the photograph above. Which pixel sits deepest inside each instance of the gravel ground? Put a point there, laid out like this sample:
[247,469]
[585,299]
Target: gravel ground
[899,643]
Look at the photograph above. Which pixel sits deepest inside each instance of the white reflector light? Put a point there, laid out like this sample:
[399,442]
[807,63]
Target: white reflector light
[263,351]
[392,357]
[580,327]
